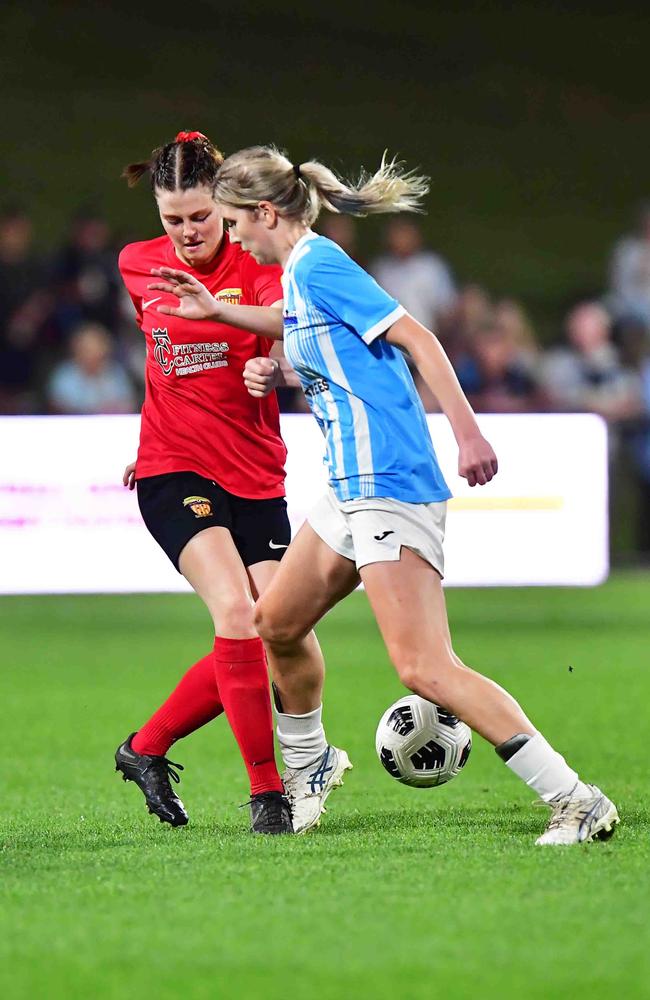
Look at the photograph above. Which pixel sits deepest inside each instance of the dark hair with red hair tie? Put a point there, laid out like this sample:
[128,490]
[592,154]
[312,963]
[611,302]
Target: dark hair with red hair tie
[190,136]
[189,161]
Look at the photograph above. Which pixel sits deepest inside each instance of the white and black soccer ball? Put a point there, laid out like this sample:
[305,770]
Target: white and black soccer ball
[421,744]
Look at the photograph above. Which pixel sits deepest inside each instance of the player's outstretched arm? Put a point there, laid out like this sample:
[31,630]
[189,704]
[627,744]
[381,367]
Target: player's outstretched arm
[196,302]
[477,462]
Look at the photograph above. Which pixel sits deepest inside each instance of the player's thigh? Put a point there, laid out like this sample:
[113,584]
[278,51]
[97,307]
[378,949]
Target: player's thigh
[408,602]
[260,575]
[191,518]
[212,565]
[310,579]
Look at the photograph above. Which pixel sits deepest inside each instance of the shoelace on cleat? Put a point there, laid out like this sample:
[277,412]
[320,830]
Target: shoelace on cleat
[275,806]
[163,768]
[566,811]
[290,791]
[264,797]
[316,777]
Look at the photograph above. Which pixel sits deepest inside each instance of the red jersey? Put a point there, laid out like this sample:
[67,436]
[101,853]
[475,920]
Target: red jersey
[198,415]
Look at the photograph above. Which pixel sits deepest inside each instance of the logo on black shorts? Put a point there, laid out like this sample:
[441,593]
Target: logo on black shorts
[200,506]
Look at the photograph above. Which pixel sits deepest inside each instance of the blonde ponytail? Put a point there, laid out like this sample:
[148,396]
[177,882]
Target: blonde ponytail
[389,189]
[263,173]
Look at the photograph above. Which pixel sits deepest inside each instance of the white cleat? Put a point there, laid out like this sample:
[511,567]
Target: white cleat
[307,788]
[577,821]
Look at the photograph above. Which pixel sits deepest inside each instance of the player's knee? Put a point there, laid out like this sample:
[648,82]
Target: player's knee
[233,615]
[261,619]
[433,678]
[272,628]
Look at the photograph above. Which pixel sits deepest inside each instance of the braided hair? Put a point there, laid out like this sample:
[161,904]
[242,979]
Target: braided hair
[188,161]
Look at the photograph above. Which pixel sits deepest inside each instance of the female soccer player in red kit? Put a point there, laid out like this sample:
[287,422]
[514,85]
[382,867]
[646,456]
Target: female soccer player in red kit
[209,471]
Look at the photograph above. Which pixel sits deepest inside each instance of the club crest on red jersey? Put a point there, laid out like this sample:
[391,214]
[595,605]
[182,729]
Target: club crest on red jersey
[162,352]
[230,295]
[200,506]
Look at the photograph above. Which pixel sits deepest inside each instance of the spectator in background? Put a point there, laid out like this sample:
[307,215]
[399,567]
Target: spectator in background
[418,278]
[86,276]
[90,381]
[131,350]
[495,377]
[495,353]
[472,310]
[342,229]
[587,373]
[511,317]
[24,305]
[629,272]
[631,335]
[20,271]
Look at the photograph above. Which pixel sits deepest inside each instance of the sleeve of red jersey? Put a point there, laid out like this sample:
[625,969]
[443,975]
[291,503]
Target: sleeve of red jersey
[262,284]
[124,262]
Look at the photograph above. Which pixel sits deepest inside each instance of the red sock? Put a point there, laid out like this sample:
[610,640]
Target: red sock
[193,702]
[243,683]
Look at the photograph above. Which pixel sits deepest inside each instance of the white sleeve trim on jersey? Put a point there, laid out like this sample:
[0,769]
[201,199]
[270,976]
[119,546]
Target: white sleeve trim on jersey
[383,324]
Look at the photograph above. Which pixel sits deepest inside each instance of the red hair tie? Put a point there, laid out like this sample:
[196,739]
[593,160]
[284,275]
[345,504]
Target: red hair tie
[189,136]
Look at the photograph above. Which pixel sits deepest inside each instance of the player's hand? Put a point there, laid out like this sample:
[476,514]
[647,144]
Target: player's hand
[195,301]
[128,476]
[477,462]
[261,375]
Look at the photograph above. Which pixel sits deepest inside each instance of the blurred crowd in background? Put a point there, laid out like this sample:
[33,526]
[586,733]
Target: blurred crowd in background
[69,343]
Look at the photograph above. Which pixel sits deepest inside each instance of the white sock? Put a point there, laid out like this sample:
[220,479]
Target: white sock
[546,771]
[301,738]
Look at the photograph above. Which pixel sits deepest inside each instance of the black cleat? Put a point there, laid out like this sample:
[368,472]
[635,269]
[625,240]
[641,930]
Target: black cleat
[151,774]
[270,813]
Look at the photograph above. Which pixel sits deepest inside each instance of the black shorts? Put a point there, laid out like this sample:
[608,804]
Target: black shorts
[178,505]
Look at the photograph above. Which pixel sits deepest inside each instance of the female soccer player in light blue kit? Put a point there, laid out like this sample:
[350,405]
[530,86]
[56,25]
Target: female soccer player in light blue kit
[382,520]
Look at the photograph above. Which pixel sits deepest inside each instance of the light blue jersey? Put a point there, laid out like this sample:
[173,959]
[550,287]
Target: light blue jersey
[357,384]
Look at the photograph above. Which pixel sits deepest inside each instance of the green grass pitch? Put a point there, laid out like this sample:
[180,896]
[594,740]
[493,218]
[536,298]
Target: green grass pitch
[400,893]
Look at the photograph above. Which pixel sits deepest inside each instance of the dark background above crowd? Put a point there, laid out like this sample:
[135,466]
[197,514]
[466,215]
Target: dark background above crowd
[529,117]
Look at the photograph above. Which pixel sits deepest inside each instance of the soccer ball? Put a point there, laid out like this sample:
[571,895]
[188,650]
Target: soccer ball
[421,744]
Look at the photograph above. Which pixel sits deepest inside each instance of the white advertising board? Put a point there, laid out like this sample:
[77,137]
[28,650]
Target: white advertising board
[67,525]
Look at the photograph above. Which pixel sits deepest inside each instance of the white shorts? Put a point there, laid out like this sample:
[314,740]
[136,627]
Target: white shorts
[374,529]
